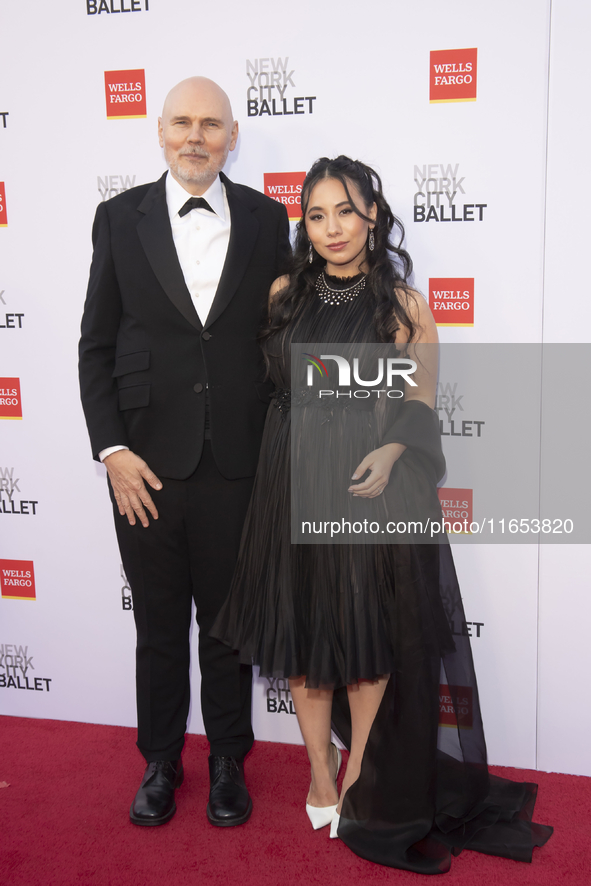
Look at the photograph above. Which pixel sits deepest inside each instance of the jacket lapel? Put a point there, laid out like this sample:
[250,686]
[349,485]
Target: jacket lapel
[243,235]
[155,236]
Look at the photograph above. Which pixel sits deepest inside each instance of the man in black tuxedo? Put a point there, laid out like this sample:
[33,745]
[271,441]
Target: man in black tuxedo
[174,393]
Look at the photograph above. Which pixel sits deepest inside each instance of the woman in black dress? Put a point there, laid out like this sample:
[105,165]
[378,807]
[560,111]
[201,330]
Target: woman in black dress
[362,630]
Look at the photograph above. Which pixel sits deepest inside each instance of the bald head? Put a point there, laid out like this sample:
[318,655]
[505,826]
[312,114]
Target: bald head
[200,89]
[197,131]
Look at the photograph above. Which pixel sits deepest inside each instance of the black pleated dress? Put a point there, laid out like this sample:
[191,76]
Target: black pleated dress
[338,613]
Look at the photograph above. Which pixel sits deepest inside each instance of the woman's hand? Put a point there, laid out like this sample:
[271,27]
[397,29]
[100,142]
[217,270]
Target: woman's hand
[379,463]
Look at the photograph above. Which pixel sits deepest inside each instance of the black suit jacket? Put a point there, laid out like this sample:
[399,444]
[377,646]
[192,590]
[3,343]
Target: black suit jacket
[145,357]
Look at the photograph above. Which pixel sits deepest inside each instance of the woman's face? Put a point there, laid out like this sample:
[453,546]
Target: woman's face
[335,230]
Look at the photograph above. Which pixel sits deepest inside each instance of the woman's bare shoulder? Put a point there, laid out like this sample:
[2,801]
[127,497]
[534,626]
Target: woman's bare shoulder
[416,306]
[278,286]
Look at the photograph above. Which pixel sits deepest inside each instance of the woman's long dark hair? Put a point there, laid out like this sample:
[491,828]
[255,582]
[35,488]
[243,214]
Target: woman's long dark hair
[389,265]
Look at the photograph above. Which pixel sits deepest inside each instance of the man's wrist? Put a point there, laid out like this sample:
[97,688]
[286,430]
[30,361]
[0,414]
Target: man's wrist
[104,453]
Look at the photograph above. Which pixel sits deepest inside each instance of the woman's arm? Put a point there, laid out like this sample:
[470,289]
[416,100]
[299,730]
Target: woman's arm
[423,349]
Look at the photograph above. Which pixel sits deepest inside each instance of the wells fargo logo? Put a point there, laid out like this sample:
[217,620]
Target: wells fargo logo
[3,215]
[459,714]
[286,188]
[452,76]
[451,300]
[17,580]
[10,398]
[457,508]
[125,92]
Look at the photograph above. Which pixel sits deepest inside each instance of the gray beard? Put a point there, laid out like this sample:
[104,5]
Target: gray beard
[202,177]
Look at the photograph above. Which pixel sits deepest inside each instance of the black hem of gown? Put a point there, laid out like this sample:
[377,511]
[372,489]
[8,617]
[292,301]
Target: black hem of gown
[464,807]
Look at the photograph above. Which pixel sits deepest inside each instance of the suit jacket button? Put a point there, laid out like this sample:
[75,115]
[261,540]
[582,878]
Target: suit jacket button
[206,336]
[198,388]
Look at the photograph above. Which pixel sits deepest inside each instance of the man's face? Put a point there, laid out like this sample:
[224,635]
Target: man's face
[196,131]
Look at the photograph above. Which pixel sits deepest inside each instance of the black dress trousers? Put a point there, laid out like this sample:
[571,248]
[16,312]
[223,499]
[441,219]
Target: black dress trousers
[187,554]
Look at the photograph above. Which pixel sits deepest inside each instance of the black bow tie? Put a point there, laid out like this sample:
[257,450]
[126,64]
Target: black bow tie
[194,203]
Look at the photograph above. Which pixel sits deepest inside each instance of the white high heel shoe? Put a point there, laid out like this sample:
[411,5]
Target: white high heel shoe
[320,816]
[334,825]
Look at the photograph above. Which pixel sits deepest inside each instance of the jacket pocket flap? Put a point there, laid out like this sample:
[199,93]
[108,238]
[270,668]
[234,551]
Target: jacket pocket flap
[127,363]
[134,397]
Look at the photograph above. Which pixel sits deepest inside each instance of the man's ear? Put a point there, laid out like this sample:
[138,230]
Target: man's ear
[160,133]
[234,138]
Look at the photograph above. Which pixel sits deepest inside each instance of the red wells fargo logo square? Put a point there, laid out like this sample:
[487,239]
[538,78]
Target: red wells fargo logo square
[3,215]
[286,188]
[457,507]
[452,75]
[10,398]
[17,580]
[451,300]
[125,92]
[461,713]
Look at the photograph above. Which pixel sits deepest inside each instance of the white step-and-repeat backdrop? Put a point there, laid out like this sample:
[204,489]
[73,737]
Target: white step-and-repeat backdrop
[473,115]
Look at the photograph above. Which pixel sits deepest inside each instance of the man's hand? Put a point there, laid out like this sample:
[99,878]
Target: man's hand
[127,472]
[379,463]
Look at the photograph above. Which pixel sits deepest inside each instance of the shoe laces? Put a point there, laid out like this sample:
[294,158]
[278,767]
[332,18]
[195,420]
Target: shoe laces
[228,764]
[161,766]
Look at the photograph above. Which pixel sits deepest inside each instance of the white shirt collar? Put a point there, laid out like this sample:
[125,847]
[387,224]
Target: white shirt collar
[177,196]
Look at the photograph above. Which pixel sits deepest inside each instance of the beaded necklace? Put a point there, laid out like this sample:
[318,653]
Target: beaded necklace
[332,296]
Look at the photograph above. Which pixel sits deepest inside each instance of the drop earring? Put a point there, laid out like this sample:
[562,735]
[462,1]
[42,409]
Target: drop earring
[310,253]
[372,240]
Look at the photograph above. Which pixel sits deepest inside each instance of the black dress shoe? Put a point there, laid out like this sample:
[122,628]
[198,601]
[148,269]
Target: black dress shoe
[154,802]
[229,803]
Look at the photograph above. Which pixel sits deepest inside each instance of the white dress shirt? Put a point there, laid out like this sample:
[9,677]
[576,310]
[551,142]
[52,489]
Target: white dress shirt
[201,241]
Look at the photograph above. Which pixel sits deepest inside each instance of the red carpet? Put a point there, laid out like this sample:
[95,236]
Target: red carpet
[63,820]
